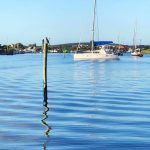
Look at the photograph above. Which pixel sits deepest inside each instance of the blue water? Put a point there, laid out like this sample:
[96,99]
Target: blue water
[101,105]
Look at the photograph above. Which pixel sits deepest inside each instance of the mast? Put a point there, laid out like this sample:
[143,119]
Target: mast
[135,36]
[118,41]
[93,25]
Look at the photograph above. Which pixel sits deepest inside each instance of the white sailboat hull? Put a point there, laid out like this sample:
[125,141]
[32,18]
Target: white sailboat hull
[95,56]
[137,52]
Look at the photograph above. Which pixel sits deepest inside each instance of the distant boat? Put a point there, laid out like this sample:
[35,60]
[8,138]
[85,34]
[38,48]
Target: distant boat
[118,50]
[102,53]
[136,51]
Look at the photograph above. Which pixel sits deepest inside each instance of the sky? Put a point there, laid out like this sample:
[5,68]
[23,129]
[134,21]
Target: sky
[69,21]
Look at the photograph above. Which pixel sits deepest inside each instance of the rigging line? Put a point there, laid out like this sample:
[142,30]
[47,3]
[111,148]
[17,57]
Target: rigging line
[93,30]
[135,35]
[83,34]
[98,31]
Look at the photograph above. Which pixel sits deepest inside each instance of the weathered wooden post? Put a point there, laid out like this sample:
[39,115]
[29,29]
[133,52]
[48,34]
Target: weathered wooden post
[45,43]
[45,50]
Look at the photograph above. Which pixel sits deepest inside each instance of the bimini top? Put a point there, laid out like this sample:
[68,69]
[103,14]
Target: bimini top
[98,43]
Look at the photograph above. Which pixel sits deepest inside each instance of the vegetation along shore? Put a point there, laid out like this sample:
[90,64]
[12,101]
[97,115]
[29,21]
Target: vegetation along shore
[20,48]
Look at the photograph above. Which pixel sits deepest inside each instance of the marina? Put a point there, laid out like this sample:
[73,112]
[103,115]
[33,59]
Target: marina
[74,76]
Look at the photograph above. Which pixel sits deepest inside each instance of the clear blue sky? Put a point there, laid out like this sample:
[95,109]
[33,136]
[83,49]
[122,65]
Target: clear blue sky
[66,21]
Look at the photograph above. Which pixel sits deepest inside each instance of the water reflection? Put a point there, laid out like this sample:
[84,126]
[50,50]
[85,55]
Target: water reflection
[45,116]
[43,121]
[136,57]
[115,116]
[44,147]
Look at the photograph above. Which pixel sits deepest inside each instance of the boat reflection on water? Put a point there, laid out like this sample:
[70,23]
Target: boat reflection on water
[136,57]
[43,121]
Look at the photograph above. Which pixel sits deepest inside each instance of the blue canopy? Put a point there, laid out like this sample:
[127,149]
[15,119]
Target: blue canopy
[97,43]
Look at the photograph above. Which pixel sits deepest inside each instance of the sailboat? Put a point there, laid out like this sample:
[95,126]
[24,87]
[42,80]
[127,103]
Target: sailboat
[102,53]
[136,51]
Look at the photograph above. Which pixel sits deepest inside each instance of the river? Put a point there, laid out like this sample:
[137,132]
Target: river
[102,105]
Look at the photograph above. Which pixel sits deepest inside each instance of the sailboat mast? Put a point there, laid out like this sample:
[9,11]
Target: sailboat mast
[118,41]
[135,36]
[134,39]
[93,25]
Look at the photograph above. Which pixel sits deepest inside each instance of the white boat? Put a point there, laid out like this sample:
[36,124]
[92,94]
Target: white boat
[137,52]
[102,53]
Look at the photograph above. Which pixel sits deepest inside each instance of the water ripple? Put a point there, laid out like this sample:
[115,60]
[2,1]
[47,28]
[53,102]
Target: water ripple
[91,104]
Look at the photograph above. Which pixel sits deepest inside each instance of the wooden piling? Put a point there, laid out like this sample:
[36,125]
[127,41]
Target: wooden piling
[45,50]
